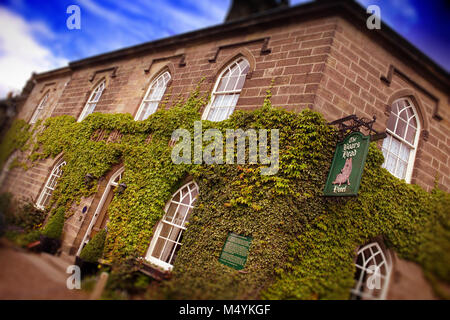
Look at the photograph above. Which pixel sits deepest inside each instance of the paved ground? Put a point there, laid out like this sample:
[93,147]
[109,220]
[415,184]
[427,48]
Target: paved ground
[25,275]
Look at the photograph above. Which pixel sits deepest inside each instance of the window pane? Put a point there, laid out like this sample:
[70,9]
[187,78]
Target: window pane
[404,115]
[390,163]
[232,83]
[391,122]
[401,128]
[401,169]
[395,146]
[170,212]
[181,213]
[166,255]
[158,248]
[411,135]
[404,152]
[165,230]
[240,82]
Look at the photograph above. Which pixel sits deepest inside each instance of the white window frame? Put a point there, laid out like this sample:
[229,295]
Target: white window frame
[167,266]
[112,183]
[146,98]
[412,147]
[374,249]
[215,93]
[47,190]
[39,109]
[94,98]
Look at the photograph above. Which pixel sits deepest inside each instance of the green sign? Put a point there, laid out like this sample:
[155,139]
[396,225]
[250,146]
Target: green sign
[347,167]
[235,251]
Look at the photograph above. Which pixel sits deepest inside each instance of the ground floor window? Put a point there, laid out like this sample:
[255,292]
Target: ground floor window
[372,273]
[168,235]
[50,185]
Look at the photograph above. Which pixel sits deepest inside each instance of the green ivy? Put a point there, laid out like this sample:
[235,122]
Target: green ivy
[303,244]
[94,248]
[16,138]
[54,227]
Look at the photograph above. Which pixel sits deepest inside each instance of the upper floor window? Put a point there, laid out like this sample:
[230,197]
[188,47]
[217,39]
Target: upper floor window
[153,96]
[400,145]
[227,90]
[50,185]
[92,101]
[39,109]
[372,273]
[168,235]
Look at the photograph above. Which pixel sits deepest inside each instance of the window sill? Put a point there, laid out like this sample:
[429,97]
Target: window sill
[154,272]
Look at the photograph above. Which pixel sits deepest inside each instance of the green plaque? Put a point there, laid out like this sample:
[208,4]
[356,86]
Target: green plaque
[235,251]
[347,167]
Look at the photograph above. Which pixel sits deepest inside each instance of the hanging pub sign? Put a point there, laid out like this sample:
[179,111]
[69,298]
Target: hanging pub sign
[347,167]
[235,251]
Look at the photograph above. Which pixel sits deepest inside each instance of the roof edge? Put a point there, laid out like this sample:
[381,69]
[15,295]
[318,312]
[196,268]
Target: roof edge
[348,9]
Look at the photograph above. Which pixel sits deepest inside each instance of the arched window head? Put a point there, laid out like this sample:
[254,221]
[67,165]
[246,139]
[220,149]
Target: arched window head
[372,275]
[38,112]
[153,96]
[168,235]
[92,101]
[400,145]
[227,90]
[50,185]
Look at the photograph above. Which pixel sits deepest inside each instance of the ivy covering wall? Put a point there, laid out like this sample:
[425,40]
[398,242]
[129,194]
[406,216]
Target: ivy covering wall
[303,244]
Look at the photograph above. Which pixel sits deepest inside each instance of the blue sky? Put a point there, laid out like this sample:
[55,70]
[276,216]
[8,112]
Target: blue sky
[34,36]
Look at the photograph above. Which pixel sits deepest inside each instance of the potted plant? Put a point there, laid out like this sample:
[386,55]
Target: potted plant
[51,235]
[91,253]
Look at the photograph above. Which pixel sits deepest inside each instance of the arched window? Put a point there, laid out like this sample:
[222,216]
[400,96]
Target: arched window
[400,145]
[92,101]
[168,235]
[227,90]
[39,109]
[50,185]
[100,218]
[372,273]
[153,96]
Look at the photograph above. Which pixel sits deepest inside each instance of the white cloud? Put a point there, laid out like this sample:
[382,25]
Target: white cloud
[20,53]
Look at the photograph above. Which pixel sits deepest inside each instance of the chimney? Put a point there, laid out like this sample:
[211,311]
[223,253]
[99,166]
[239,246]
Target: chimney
[242,8]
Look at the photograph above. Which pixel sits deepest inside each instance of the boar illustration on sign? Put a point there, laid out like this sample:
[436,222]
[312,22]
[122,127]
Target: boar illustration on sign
[347,167]
[344,175]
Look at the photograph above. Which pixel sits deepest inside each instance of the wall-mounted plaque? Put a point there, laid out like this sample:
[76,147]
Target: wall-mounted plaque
[347,167]
[235,251]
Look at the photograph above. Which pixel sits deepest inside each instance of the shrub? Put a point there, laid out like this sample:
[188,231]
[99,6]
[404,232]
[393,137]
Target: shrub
[28,217]
[126,278]
[54,226]
[5,211]
[94,249]
[31,236]
[23,215]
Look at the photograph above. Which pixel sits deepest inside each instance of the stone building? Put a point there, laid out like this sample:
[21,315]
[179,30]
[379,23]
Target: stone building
[319,55]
